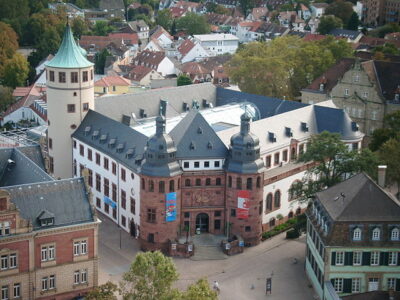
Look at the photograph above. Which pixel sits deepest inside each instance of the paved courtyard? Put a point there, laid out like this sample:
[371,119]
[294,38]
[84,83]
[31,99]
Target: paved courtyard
[240,277]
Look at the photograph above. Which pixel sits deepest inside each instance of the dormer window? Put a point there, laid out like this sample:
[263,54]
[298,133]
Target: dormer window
[288,132]
[4,228]
[395,234]
[112,142]
[271,137]
[357,234]
[45,218]
[376,234]
[304,127]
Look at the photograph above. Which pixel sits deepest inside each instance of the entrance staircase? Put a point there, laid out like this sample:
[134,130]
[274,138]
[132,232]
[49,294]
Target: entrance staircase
[207,247]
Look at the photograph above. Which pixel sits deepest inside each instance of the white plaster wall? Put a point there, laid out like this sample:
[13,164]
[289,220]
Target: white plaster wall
[23,113]
[166,67]
[201,167]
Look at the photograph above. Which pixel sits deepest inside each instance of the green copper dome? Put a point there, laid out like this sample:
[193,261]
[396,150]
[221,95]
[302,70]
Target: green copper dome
[69,55]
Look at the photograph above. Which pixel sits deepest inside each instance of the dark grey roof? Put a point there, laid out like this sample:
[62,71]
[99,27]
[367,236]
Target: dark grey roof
[364,201]
[335,120]
[34,154]
[65,199]
[194,138]
[18,168]
[352,34]
[266,105]
[125,135]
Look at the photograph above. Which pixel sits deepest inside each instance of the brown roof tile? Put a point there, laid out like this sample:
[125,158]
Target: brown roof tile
[112,81]
[185,47]
[150,59]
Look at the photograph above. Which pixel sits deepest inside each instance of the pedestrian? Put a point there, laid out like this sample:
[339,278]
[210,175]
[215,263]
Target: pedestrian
[216,286]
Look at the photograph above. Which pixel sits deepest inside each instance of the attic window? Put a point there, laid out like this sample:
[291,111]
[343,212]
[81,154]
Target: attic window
[209,145]
[271,137]
[103,138]
[47,222]
[87,130]
[199,130]
[112,142]
[185,106]
[288,132]
[45,218]
[95,134]
[304,127]
[354,126]
[191,146]
[142,113]
[120,147]
[130,152]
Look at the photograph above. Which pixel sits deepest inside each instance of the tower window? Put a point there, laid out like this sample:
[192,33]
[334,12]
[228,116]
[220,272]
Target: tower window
[71,108]
[85,106]
[74,77]
[91,74]
[51,75]
[50,143]
[61,77]
[75,94]
[85,76]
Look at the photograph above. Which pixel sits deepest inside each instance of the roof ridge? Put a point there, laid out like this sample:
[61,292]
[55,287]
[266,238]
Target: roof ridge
[31,159]
[43,182]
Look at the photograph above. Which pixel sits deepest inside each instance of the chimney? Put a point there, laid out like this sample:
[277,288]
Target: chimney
[382,175]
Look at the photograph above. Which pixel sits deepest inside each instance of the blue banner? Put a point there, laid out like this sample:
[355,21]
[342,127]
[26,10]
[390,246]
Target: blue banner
[110,202]
[170,207]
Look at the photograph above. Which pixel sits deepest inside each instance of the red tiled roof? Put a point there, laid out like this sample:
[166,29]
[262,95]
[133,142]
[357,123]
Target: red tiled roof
[393,36]
[194,68]
[128,38]
[33,93]
[150,59]
[177,12]
[138,73]
[102,42]
[254,25]
[373,41]
[259,12]
[185,47]
[112,81]
[186,4]
[160,30]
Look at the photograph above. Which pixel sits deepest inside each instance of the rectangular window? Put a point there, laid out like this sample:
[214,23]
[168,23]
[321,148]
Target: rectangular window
[113,88]
[392,258]
[4,262]
[98,183]
[114,192]
[114,168]
[346,92]
[186,164]
[123,199]
[51,252]
[81,150]
[285,155]
[17,290]
[233,212]
[356,285]
[268,161]
[44,254]
[151,215]
[216,164]
[51,164]
[391,284]
[13,260]
[106,208]
[61,77]
[206,164]
[85,76]
[338,284]
[105,163]
[52,282]
[74,77]
[106,187]
[71,108]
[123,221]
[83,276]
[374,258]
[197,164]
[133,206]
[98,202]
[217,224]
[52,76]
[83,247]
[276,158]
[91,74]
[85,106]
[4,292]
[90,178]
[50,143]
[89,154]
[76,277]
[44,283]
[340,258]
[97,159]
[357,258]
[123,174]
[76,248]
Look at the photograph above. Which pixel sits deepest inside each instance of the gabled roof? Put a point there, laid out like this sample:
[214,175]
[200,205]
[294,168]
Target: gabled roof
[388,74]
[149,58]
[194,138]
[251,25]
[138,73]
[363,200]
[351,34]
[194,68]
[110,129]
[69,54]
[259,12]
[66,200]
[158,31]
[112,81]
[185,47]
[177,12]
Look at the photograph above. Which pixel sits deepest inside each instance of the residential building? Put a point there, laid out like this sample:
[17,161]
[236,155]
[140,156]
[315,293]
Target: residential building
[162,36]
[218,43]
[366,90]
[127,42]
[304,12]
[318,9]
[258,13]
[379,12]
[143,76]
[352,36]
[190,51]
[112,85]
[353,243]
[156,60]
[141,28]
[196,72]
[71,9]
[248,31]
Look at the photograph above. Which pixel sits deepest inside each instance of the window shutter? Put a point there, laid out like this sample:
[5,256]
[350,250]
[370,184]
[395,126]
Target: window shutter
[397,285]
[333,261]
[366,258]
[382,261]
[347,285]
[398,258]
[348,258]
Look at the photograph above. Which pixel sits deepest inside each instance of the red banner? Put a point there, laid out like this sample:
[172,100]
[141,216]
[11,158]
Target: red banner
[243,204]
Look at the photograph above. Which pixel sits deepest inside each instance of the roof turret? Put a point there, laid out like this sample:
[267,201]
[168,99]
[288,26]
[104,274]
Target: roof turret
[69,55]
[244,152]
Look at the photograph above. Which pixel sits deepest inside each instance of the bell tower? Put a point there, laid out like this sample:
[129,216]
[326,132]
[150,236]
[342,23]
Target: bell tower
[70,95]
[244,192]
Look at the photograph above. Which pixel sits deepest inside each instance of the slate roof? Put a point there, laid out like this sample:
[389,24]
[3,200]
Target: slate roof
[28,166]
[66,199]
[364,201]
[351,34]
[388,74]
[125,135]
[194,138]
[267,106]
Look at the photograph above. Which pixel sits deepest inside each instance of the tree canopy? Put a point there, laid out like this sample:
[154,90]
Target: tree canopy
[327,23]
[164,19]
[183,80]
[353,22]
[193,24]
[340,9]
[283,66]
[8,45]
[16,71]
[103,292]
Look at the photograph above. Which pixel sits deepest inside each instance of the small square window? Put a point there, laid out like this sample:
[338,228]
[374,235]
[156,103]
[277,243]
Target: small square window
[216,164]
[206,164]
[186,164]
[247,228]
[217,213]
[71,108]
[85,106]
[197,164]
[187,214]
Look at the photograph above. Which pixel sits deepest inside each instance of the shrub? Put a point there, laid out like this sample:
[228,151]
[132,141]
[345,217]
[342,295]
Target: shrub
[292,234]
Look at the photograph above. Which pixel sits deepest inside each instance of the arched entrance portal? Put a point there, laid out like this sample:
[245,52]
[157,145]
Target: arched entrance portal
[202,222]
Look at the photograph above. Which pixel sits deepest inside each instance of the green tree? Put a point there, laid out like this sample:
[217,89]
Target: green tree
[327,23]
[247,5]
[150,276]
[14,9]
[8,44]
[340,9]
[333,162]
[79,27]
[390,156]
[193,24]
[383,30]
[387,48]
[338,48]
[100,61]
[353,22]
[16,71]
[164,19]
[103,292]
[6,98]
[102,28]
[183,80]
[200,291]
[390,131]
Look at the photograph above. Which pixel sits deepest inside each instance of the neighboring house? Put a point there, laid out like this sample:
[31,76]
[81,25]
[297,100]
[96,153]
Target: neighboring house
[313,24]
[297,24]
[272,31]
[258,14]
[30,108]
[379,12]
[48,231]
[220,76]
[318,9]
[285,18]
[218,43]
[189,51]
[71,9]
[366,90]
[187,6]
[141,28]
[155,60]
[304,12]
[177,12]
[162,36]
[127,43]
[227,3]
[196,72]
[353,240]
[113,8]
[352,36]
[154,45]
[247,31]
[143,76]
[112,85]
